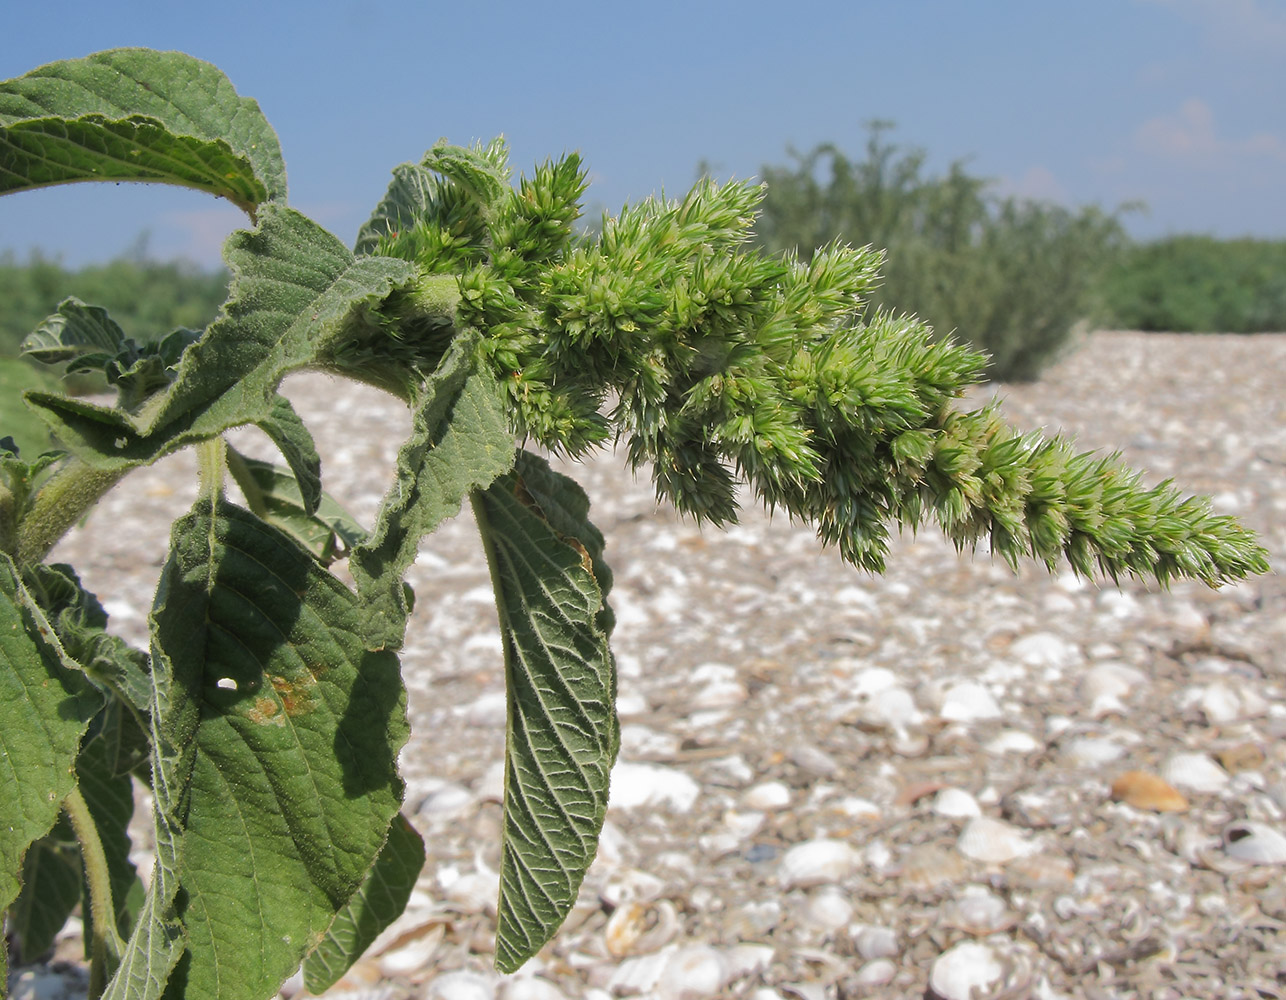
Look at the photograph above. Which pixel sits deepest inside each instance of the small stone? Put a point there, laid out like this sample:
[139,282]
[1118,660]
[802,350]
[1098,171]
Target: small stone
[1143,790]
[967,967]
[1242,757]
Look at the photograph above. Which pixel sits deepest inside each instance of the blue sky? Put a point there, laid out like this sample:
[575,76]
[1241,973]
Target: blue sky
[1178,103]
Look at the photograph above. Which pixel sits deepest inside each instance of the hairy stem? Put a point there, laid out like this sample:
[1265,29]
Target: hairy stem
[61,502]
[107,944]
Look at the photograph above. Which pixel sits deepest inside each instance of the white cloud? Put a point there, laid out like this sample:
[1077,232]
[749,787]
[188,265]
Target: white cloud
[1037,183]
[1190,134]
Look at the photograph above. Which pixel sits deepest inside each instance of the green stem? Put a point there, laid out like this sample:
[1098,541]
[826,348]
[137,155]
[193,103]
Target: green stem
[107,944]
[59,504]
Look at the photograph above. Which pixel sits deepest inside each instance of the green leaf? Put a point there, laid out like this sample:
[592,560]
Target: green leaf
[459,441]
[380,900]
[294,780]
[294,287]
[75,329]
[45,707]
[292,439]
[137,115]
[274,495]
[562,732]
[110,797]
[407,201]
[51,889]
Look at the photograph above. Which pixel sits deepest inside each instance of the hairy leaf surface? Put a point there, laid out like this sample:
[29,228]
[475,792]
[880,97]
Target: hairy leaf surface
[294,286]
[51,888]
[45,707]
[380,900]
[459,441]
[293,781]
[561,738]
[137,115]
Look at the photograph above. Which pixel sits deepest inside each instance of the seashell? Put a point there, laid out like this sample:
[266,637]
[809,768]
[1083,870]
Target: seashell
[652,786]
[488,711]
[1043,869]
[446,800]
[813,760]
[928,867]
[639,974]
[693,973]
[968,701]
[632,705]
[877,942]
[979,911]
[827,909]
[1255,843]
[877,973]
[748,960]
[1242,757]
[769,796]
[476,892]
[1147,791]
[629,885]
[461,986]
[1092,751]
[636,928]
[818,862]
[719,694]
[532,988]
[1012,741]
[967,967]
[1043,649]
[855,808]
[805,991]
[413,950]
[956,803]
[1195,771]
[1105,686]
[1040,807]
[993,841]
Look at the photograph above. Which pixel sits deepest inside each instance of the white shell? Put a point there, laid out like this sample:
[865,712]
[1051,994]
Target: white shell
[877,942]
[1091,751]
[1195,771]
[956,803]
[977,910]
[827,909]
[968,701]
[636,786]
[1105,686]
[1255,843]
[1012,741]
[630,885]
[413,952]
[818,862]
[1043,649]
[461,986]
[532,988]
[693,973]
[961,970]
[993,841]
[877,973]
[769,796]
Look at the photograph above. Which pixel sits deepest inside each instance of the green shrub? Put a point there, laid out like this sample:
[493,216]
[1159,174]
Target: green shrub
[148,298]
[1199,284]
[1012,277]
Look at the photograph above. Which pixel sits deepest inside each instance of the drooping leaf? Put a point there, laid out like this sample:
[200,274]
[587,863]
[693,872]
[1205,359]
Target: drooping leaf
[45,707]
[293,288]
[460,440]
[75,329]
[292,439]
[377,903]
[561,738]
[137,115]
[51,889]
[294,779]
[274,495]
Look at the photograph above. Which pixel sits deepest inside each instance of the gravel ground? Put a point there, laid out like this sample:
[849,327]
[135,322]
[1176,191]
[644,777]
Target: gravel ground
[835,785]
